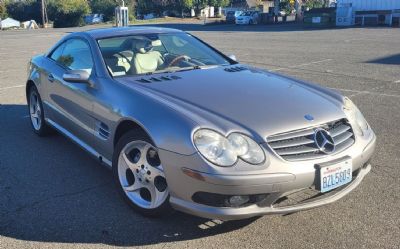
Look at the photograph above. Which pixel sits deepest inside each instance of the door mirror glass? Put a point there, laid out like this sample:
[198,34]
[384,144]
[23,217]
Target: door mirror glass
[77,76]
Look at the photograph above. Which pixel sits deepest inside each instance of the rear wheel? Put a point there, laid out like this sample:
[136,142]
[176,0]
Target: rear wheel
[36,113]
[139,175]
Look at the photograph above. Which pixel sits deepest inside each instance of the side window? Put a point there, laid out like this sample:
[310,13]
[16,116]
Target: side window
[57,52]
[76,56]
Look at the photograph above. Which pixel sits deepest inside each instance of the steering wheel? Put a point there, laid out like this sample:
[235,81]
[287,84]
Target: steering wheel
[123,56]
[178,59]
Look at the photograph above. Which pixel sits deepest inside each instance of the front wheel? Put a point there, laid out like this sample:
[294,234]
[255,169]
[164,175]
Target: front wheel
[139,175]
[36,113]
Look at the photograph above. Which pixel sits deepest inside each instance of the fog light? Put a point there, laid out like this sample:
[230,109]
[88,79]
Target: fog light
[238,200]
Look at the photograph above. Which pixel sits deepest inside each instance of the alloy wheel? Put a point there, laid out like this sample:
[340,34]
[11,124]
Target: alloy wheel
[141,175]
[35,110]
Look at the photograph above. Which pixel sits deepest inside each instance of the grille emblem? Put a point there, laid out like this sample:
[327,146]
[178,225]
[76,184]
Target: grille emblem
[324,141]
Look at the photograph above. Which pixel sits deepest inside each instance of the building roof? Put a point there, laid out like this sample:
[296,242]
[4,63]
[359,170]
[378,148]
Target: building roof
[124,31]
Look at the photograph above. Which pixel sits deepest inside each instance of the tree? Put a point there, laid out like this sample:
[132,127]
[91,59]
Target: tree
[68,13]
[186,4]
[3,9]
[25,10]
[145,6]
[218,3]
[199,5]
[315,4]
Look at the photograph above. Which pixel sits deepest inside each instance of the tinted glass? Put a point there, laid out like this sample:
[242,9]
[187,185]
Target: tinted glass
[76,55]
[157,53]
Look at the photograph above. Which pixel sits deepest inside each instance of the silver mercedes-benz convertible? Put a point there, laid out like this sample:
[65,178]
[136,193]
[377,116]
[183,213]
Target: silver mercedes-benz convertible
[185,127]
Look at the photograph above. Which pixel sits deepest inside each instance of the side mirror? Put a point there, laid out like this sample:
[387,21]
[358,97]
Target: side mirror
[232,57]
[77,76]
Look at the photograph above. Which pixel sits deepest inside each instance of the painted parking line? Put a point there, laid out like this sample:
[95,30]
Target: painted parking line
[301,65]
[357,92]
[11,87]
[10,70]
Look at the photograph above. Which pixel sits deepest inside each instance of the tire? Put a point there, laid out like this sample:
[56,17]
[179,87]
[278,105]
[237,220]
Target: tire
[251,22]
[139,176]
[36,113]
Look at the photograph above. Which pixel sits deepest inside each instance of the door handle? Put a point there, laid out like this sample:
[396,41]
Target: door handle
[51,78]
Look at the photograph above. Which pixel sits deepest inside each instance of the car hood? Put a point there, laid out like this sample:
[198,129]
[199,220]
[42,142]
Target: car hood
[239,98]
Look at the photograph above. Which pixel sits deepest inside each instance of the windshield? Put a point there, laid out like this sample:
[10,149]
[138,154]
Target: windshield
[157,53]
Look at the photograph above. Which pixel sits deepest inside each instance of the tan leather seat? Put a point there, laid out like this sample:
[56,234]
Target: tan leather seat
[145,59]
[125,59]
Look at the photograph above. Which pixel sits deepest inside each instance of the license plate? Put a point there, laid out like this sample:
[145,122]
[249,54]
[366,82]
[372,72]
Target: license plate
[335,175]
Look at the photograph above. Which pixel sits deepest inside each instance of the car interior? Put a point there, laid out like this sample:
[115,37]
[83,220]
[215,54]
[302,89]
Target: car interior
[139,55]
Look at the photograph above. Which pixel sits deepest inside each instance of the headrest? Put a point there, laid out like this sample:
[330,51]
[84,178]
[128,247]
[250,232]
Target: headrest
[143,46]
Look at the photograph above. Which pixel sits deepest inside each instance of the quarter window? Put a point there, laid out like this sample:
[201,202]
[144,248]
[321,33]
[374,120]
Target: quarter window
[57,52]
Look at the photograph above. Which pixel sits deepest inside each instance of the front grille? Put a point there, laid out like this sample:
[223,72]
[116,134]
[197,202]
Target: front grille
[300,144]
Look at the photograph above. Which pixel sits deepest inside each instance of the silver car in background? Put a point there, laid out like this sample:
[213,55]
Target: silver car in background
[183,126]
[248,18]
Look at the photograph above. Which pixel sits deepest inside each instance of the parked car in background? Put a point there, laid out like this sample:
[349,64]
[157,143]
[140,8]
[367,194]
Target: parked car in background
[248,18]
[94,18]
[231,16]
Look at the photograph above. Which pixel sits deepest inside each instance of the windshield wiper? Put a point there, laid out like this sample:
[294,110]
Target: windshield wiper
[196,67]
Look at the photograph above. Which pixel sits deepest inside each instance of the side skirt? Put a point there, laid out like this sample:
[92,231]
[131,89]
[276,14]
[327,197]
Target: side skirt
[82,144]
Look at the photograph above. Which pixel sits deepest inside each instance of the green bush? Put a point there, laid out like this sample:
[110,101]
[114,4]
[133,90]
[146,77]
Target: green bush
[68,13]
[25,10]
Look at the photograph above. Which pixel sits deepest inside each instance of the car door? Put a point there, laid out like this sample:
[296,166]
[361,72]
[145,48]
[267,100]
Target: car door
[71,103]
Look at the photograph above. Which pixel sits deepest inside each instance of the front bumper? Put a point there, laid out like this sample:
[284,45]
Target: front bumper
[275,184]
[255,210]
[242,22]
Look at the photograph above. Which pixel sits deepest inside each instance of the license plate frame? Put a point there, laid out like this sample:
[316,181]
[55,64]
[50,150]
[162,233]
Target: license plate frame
[334,174]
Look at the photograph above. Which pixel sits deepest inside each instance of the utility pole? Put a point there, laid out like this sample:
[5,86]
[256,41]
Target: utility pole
[276,10]
[42,5]
[44,14]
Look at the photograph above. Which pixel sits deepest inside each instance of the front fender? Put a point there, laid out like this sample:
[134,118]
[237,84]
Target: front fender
[169,129]
[34,75]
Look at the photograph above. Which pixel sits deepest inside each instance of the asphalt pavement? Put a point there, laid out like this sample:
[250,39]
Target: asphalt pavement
[54,195]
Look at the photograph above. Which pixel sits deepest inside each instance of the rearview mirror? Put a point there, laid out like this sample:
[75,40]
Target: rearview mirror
[232,57]
[77,76]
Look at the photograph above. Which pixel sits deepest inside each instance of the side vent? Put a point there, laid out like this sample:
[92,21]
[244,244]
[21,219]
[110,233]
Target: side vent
[102,130]
[159,79]
[235,69]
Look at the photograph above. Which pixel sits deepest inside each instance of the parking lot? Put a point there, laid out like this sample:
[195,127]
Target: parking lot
[54,195]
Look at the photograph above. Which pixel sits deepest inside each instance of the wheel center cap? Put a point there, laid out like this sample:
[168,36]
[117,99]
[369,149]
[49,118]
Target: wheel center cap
[142,172]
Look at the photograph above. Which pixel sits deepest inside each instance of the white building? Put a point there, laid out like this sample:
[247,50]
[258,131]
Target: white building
[367,5]
[368,12]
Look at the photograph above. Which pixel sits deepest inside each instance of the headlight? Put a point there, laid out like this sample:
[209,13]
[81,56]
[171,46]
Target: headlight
[356,117]
[224,151]
[246,148]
